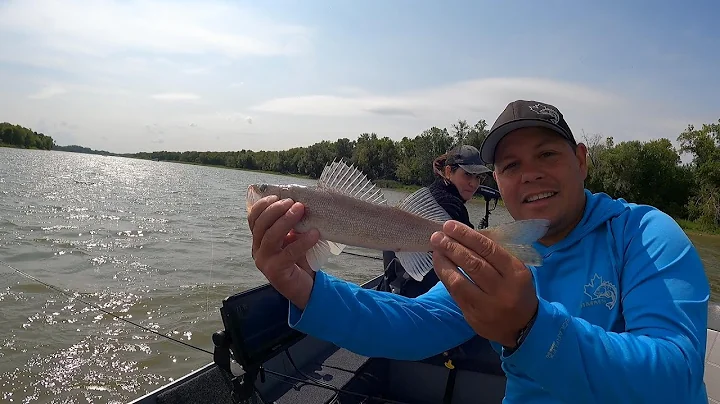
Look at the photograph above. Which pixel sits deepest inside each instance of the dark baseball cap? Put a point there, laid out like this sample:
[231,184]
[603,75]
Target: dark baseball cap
[468,158]
[523,114]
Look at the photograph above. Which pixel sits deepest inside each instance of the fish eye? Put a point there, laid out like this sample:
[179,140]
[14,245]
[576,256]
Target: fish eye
[262,187]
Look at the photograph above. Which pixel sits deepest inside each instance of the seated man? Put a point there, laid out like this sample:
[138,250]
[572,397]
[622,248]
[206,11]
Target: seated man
[616,313]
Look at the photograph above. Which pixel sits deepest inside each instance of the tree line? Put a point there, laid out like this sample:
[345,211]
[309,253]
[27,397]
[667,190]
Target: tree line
[648,172]
[19,136]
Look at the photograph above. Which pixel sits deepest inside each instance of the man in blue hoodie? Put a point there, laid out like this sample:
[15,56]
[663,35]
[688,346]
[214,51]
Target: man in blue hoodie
[616,313]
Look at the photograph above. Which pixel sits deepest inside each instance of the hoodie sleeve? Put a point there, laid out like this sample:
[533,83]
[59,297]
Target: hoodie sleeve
[381,324]
[664,295]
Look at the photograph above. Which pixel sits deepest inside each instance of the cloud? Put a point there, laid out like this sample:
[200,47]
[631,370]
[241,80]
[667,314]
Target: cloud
[475,95]
[587,108]
[175,97]
[47,92]
[105,27]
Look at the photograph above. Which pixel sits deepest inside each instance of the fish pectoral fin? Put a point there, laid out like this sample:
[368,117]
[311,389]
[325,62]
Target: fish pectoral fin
[423,204]
[319,254]
[416,264]
[348,180]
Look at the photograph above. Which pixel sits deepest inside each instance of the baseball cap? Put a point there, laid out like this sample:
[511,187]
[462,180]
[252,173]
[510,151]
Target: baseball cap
[468,158]
[522,114]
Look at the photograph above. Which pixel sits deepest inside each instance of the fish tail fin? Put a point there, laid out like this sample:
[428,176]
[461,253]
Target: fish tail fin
[321,252]
[417,264]
[517,238]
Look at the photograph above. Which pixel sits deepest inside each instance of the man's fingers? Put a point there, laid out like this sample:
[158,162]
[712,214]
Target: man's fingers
[486,248]
[457,284]
[485,276]
[267,219]
[258,208]
[275,235]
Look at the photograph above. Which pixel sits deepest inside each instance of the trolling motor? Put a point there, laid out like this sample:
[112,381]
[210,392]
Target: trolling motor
[491,196]
[256,330]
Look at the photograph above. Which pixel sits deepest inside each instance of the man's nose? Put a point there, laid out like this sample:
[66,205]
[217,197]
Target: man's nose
[532,175]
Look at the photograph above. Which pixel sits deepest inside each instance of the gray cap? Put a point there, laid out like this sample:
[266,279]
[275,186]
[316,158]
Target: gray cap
[523,114]
[468,158]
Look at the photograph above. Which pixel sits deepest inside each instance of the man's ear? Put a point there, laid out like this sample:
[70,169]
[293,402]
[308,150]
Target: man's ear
[581,155]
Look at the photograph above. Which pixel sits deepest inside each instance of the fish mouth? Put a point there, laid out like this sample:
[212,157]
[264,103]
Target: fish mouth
[252,195]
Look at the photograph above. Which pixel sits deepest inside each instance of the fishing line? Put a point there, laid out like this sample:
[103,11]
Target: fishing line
[72,296]
[212,256]
[362,255]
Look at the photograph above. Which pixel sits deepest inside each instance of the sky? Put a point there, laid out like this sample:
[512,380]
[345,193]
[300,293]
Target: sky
[129,76]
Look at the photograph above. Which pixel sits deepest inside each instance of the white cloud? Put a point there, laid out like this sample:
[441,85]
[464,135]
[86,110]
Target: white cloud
[48,92]
[175,97]
[584,107]
[476,95]
[104,27]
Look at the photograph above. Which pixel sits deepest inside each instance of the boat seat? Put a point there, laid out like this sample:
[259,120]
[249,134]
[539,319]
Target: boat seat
[712,355]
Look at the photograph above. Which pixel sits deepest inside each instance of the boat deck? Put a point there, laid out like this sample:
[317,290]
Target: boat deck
[313,371]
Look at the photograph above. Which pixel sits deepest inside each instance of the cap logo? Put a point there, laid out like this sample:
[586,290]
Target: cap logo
[541,109]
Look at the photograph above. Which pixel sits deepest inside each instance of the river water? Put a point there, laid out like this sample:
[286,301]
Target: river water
[158,243]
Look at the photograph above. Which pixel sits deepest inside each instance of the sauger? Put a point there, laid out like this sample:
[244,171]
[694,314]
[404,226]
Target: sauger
[348,209]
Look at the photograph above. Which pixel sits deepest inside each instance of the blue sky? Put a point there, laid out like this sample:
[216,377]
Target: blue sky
[135,75]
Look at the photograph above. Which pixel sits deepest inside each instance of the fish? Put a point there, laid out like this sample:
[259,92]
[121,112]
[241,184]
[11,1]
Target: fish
[348,209]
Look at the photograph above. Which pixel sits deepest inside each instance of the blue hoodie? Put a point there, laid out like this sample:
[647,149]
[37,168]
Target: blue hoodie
[622,315]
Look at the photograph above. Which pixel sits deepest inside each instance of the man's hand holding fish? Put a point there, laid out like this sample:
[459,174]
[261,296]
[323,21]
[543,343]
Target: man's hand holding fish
[279,251]
[500,301]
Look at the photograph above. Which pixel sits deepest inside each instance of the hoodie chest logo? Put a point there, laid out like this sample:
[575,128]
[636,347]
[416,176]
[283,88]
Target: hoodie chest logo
[600,291]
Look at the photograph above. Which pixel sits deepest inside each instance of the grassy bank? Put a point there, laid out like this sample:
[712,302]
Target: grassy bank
[696,228]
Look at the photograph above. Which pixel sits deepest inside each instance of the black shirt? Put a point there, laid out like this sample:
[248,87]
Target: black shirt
[447,195]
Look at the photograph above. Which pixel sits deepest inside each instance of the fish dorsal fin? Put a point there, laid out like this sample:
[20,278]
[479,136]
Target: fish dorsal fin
[423,204]
[348,180]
